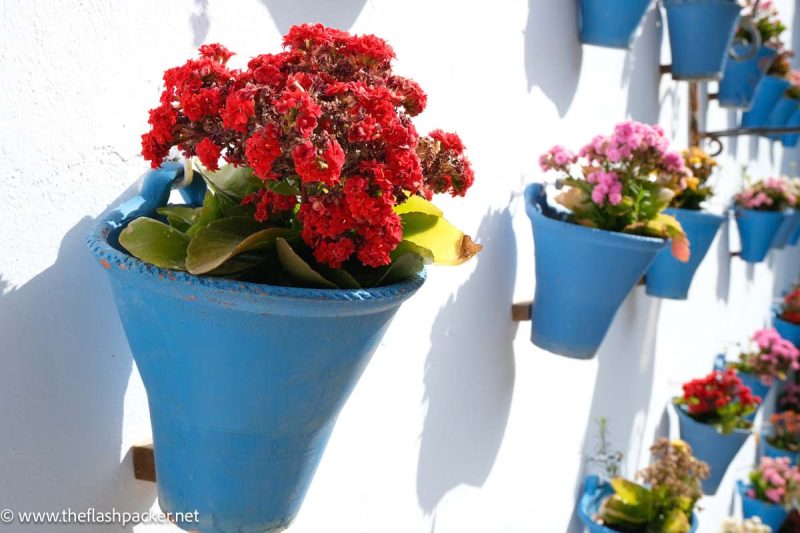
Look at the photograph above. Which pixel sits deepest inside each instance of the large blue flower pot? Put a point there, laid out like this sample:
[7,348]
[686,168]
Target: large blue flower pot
[787,330]
[582,277]
[768,450]
[244,381]
[711,446]
[611,23]
[757,230]
[595,492]
[789,140]
[780,115]
[791,220]
[670,278]
[769,90]
[700,34]
[770,514]
[740,78]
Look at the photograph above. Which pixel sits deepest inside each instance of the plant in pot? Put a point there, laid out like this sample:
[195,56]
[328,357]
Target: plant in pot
[787,107]
[615,190]
[700,34]
[768,358]
[712,414]
[761,209]
[252,311]
[786,319]
[773,490]
[663,502]
[783,439]
[752,55]
[768,91]
[667,277]
[610,23]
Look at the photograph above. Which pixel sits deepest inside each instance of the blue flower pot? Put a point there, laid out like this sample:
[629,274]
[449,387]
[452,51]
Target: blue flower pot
[670,278]
[757,230]
[595,492]
[244,381]
[787,330]
[769,90]
[770,514]
[611,23]
[791,220]
[711,446]
[789,140]
[740,78]
[768,450]
[582,277]
[795,236]
[700,34]
[781,114]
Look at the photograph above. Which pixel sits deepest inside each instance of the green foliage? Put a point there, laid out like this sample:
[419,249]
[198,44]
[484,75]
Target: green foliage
[156,243]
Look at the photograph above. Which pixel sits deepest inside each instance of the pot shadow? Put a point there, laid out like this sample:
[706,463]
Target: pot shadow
[66,367]
[638,72]
[553,53]
[724,261]
[199,22]
[340,14]
[625,363]
[469,372]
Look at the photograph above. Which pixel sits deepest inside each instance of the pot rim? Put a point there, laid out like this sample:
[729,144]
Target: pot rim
[681,411]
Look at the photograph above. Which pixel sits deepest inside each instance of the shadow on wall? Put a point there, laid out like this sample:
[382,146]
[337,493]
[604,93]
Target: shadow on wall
[469,372]
[199,22]
[553,53]
[724,260]
[340,14]
[625,363]
[65,372]
[639,72]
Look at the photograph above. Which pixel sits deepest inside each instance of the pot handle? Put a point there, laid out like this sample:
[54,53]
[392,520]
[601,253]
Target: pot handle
[749,26]
[156,187]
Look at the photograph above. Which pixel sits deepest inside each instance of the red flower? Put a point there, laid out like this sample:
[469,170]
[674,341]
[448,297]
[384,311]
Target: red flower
[217,52]
[269,204]
[324,167]
[203,102]
[262,149]
[239,107]
[209,153]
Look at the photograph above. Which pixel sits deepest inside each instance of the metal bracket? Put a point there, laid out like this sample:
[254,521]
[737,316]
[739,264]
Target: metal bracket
[144,465]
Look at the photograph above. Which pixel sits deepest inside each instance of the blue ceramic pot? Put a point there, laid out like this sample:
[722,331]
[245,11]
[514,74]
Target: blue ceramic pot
[770,514]
[757,230]
[244,381]
[739,81]
[594,494]
[791,220]
[700,34]
[787,330]
[795,236]
[768,450]
[670,278]
[769,90]
[789,140]
[582,277]
[611,23]
[711,446]
[780,115]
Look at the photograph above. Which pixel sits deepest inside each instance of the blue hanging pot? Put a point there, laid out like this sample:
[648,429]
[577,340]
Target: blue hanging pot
[795,236]
[700,34]
[595,492]
[244,381]
[582,277]
[770,89]
[670,278]
[611,23]
[789,140]
[791,220]
[768,450]
[787,330]
[741,77]
[757,230]
[781,114]
[711,446]
[771,514]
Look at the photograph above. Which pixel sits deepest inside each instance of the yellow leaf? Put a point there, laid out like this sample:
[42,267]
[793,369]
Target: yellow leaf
[447,243]
[418,204]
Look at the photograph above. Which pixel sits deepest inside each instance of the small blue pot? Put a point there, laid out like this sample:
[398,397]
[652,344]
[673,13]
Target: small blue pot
[791,220]
[594,494]
[740,79]
[770,514]
[768,450]
[781,114]
[787,330]
[769,90]
[711,446]
[670,278]
[700,34]
[582,277]
[757,230]
[789,140]
[611,23]
[244,381]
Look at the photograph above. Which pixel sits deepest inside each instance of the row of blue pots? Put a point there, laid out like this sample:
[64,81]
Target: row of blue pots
[772,108]
[700,31]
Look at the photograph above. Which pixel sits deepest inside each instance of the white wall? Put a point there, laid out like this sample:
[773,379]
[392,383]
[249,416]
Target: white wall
[459,424]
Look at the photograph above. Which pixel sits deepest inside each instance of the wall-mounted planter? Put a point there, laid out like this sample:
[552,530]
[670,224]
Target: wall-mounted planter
[770,89]
[741,77]
[791,220]
[669,278]
[244,381]
[787,330]
[700,34]
[794,238]
[789,140]
[711,446]
[582,277]
[595,492]
[770,514]
[757,230]
[611,23]
[768,450]
[780,115]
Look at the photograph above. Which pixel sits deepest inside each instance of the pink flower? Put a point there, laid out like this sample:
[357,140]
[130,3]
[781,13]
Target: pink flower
[775,494]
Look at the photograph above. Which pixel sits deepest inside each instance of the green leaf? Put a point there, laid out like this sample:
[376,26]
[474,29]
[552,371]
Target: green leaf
[188,215]
[402,268]
[409,247]
[283,187]
[208,213]
[156,243]
[676,521]
[447,243]
[298,269]
[630,492]
[222,239]
[233,182]
[418,204]
[339,276]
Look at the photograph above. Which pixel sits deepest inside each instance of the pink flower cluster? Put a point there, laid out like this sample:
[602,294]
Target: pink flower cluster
[770,194]
[607,186]
[557,158]
[776,356]
[775,480]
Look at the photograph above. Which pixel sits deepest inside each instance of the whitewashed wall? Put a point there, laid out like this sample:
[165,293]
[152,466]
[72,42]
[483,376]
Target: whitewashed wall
[459,425]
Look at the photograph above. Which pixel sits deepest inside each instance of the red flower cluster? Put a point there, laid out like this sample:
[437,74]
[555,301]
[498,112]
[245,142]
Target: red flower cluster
[790,311]
[716,391]
[326,115]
